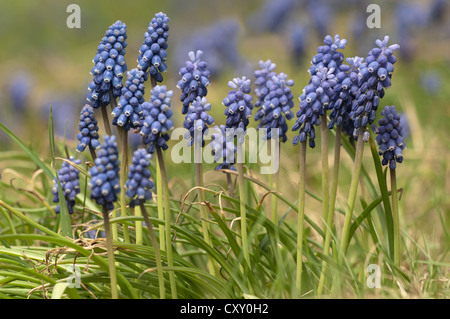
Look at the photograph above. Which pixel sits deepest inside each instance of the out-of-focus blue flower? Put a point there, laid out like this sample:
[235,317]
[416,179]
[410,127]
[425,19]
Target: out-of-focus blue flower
[437,11]
[346,88]
[19,90]
[389,137]
[430,81]
[276,107]
[197,120]
[313,104]
[374,77]
[153,52]
[404,124]
[128,112]
[262,75]
[104,183]
[138,184]
[157,119]
[297,40]
[223,148]
[88,129]
[194,79]
[109,66]
[218,41]
[272,16]
[321,15]
[239,106]
[70,184]
[328,55]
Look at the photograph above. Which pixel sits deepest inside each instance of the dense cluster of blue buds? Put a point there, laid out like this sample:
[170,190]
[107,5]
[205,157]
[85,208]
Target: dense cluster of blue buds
[374,76]
[390,137]
[128,112]
[313,103]
[346,88]
[239,105]
[328,55]
[88,135]
[223,148]
[194,79]
[157,122]
[139,185]
[70,184]
[109,66]
[153,52]
[197,120]
[262,75]
[104,183]
[276,108]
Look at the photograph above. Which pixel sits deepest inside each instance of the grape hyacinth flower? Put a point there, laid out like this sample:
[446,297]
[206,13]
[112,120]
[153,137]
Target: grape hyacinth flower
[109,66]
[346,88]
[69,181]
[104,182]
[313,103]
[390,137]
[128,112]
[194,79]
[276,108]
[157,122]
[138,184]
[239,107]
[153,52]
[374,77]
[197,120]
[88,135]
[262,75]
[327,55]
[271,16]
[223,148]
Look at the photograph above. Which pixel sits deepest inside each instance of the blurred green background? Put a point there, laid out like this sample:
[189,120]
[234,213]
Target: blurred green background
[50,64]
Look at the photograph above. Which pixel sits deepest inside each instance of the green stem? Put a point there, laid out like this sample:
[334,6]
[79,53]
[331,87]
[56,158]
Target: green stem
[324,151]
[274,199]
[301,213]
[162,289]
[332,205]
[167,216]
[351,196]
[105,120]
[109,247]
[160,203]
[201,196]
[396,218]
[242,201]
[123,176]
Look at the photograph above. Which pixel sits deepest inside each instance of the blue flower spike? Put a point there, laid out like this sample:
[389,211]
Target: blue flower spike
[157,119]
[138,186]
[69,181]
[109,66]
[88,135]
[104,183]
[194,79]
[262,75]
[223,148]
[390,137]
[153,52]
[198,120]
[128,113]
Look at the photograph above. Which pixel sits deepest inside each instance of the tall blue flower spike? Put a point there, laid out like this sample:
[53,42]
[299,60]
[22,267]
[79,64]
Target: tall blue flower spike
[88,129]
[346,88]
[153,52]
[239,106]
[328,55]
[104,183]
[157,122]
[390,137]
[109,66]
[139,185]
[262,75]
[374,77]
[194,79]
[313,103]
[197,120]
[223,148]
[70,184]
[276,108]
[128,112]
